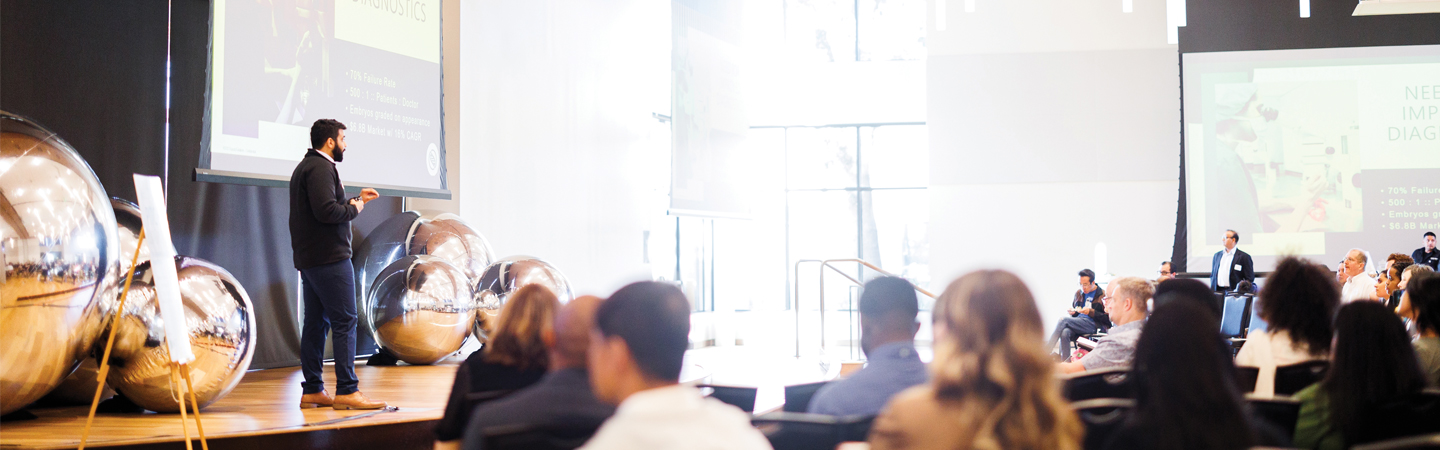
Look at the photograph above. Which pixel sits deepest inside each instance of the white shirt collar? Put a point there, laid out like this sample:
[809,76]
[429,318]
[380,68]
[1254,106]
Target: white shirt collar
[332,160]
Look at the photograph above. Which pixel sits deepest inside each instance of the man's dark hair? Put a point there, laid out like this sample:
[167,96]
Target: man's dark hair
[1300,298]
[1088,273]
[654,321]
[1424,291]
[325,129]
[1428,234]
[884,296]
[1166,263]
[1188,290]
[1237,235]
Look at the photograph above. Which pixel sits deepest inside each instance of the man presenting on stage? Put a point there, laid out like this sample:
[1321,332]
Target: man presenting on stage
[1231,266]
[320,237]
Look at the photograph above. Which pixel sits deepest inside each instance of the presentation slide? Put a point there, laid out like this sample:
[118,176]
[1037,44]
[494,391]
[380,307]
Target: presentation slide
[374,65]
[1312,152]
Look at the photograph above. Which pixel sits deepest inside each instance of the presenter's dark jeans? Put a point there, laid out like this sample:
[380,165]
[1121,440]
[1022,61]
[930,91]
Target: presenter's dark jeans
[1069,329]
[329,305]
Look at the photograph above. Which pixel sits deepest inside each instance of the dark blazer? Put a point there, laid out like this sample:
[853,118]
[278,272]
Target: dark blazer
[319,213]
[563,397]
[1246,271]
[1101,318]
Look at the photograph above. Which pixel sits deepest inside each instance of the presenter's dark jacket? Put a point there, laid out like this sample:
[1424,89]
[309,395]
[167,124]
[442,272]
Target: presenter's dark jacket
[1101,318]
[1431,258]
[319,213]
[1245,272]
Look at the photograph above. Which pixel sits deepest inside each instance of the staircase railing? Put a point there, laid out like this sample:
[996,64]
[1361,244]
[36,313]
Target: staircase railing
[826,264]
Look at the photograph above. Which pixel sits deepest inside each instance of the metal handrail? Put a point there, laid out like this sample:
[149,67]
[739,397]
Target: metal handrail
[824,264]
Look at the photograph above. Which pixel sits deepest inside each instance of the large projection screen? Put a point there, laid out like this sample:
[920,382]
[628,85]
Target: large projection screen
[374,65]
[1312,152]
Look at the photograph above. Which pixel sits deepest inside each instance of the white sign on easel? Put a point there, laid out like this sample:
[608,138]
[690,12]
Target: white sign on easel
[151,195]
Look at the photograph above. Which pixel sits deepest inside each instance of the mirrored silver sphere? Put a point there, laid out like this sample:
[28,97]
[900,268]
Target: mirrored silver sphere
[420,309]
[447,236]
[220,317]
[384,245]
[57,251]
[506,276]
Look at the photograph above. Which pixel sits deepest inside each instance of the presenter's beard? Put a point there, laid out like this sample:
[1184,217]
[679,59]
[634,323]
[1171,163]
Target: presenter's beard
[339,154]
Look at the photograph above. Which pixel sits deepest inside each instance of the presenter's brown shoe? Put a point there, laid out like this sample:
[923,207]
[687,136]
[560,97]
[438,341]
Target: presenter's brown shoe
[316,400]
[356,400]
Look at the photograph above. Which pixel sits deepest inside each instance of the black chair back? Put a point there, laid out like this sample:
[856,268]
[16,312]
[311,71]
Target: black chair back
[1281,413]
[1430,441]
[797,397]
[475,399]
[1103,383]
[1102,416]
[1413,415]
[1292,378]
[1246,377]
[803,431]
[560,435]
[740,397]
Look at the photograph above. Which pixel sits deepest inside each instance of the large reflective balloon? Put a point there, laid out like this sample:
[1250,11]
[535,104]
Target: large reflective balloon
[387,243]
[57,251]
[80,386]
[506,276]
[447,236]
[420,309]
[220,317]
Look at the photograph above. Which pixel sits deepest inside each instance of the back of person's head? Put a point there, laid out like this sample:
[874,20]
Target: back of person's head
[572,332]
[989,353]
[1424,292]
[1185,382]
[887,312]
[1300,298]
[1136,290]
[1187,290]
[323,130]
[519,334]
[654,321]
[1372,362]
[1400,258]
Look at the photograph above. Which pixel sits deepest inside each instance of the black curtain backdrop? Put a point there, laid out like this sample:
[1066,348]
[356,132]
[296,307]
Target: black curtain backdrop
[94,72]
[1241,25]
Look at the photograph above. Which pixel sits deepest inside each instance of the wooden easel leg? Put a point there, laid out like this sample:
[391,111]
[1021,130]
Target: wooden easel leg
[184,424]
[190,386]
[113,320]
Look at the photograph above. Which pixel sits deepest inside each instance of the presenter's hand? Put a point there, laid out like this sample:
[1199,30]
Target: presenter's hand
[359,205]
[368,194]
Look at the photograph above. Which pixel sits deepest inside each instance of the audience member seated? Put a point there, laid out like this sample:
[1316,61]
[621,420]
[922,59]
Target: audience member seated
[1087,314]
[1415,271]
[514,358]
[1186,390]
[887,335]
[1387,285]
[1186,290]
[1165,272]
[637,346]
[992,383]
[1372,362]
[1427,254]
[1412,272]
[563,395]
[1421,304]
[1297,304]
[1358,284]
[1128,304]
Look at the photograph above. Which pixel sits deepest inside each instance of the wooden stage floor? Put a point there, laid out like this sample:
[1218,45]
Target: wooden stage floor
[264,403]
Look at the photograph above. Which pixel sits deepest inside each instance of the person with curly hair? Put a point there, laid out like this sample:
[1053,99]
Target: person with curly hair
[1298,305]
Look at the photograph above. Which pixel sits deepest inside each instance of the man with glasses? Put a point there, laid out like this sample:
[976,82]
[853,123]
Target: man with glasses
[1128,304]
[1165,272]
[1231,266]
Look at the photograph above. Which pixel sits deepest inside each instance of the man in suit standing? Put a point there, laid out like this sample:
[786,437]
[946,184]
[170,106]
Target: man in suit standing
[1231,266]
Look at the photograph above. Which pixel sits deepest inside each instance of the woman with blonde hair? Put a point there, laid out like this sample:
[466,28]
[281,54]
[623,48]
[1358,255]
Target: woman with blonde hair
[992,384]
[515,357]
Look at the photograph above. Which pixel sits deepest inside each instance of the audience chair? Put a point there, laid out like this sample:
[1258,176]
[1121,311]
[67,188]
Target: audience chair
[1102,416]
[1282,413]
[1232,317]
[1414,415]
[804,431]
[1255,323]
[1246,377]
[565,434]
[475,399]
[797,397]
[740,397]
[1407,443]
[1103,383]
[1292,378]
